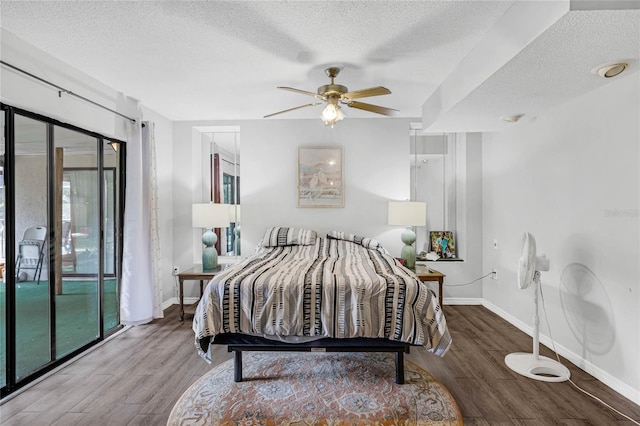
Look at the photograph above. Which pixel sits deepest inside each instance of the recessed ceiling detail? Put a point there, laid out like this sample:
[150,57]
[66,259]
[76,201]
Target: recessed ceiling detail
[612,70]
[512,118]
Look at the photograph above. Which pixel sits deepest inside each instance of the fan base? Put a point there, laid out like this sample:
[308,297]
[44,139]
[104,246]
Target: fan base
[537,368]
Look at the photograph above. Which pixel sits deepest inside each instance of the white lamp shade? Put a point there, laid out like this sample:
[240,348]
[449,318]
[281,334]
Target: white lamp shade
[407,213]
[210,215]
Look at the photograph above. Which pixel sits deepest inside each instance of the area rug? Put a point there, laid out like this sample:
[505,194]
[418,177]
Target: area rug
[307,388]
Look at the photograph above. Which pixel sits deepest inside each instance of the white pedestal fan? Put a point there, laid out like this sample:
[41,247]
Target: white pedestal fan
[533,365]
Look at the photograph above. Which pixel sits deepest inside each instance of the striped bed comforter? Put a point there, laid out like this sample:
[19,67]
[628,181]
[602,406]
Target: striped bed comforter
[333,288]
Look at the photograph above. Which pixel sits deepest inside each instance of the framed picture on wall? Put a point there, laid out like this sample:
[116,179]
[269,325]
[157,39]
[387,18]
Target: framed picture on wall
[443,244]
[320,177]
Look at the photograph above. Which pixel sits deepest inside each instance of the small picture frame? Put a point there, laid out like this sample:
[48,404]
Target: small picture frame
[443,244]
[320,177]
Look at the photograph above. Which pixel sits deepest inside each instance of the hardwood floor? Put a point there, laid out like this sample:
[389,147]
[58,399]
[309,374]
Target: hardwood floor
[136,378]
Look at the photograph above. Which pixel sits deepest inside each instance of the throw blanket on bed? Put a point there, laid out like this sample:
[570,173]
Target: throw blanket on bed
[336,287]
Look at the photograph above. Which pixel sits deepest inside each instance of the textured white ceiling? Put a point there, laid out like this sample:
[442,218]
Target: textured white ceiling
[556,67]
[204,60]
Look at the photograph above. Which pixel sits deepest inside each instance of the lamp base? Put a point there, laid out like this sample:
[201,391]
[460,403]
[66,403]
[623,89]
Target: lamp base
[408,252]
[209,253]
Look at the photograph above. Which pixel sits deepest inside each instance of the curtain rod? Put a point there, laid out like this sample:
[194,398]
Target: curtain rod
[62,90]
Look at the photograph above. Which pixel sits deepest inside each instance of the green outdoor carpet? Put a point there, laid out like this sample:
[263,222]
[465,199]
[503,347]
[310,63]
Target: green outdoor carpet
[76,320]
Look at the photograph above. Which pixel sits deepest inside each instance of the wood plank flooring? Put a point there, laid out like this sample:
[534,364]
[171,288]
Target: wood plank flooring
[136,378]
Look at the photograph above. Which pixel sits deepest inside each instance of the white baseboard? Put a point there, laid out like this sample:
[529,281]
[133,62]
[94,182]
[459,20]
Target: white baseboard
[169,302]
[614,383]
[176,301]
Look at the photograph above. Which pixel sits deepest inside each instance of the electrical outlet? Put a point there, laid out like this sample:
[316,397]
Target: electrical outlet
[176,270]
[494,274]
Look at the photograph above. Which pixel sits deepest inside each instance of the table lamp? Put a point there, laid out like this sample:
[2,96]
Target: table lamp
[209,216]
[408,213]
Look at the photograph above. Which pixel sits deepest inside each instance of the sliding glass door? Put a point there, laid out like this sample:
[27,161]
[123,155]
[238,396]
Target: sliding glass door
[62,216]
[77,223]
[32,299]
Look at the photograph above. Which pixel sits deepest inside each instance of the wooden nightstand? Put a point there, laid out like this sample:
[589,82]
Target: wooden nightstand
[425,274]
[196,273]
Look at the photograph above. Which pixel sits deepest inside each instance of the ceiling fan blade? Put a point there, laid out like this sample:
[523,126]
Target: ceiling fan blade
[365,93]
[373,108]
[303,92]
[291,109]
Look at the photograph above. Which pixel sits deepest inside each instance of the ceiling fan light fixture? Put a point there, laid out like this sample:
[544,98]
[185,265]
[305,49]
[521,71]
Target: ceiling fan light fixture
[334,114]
[330,112]
[332,94]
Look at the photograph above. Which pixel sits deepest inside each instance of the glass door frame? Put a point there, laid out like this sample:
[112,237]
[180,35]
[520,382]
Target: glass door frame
[9,112]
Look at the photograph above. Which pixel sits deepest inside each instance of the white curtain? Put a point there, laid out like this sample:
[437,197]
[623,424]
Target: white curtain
[141,286]
[154,237]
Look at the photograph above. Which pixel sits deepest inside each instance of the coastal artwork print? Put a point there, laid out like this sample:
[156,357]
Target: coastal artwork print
[320,177]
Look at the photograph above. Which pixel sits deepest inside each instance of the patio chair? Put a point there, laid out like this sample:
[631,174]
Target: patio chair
[31,251]
[68,249]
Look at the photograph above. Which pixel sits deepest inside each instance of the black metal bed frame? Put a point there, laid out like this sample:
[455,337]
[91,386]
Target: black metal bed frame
[238,343]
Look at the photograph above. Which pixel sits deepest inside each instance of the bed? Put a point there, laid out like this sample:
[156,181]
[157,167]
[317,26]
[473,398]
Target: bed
[302,292]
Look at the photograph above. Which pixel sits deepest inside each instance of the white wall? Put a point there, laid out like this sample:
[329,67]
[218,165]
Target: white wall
[571,178]
[375,165]
[376,169]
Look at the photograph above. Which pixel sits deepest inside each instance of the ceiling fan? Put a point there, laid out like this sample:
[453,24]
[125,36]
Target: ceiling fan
[334,94]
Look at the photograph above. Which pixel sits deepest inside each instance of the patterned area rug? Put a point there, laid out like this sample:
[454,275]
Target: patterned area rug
[308,388]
